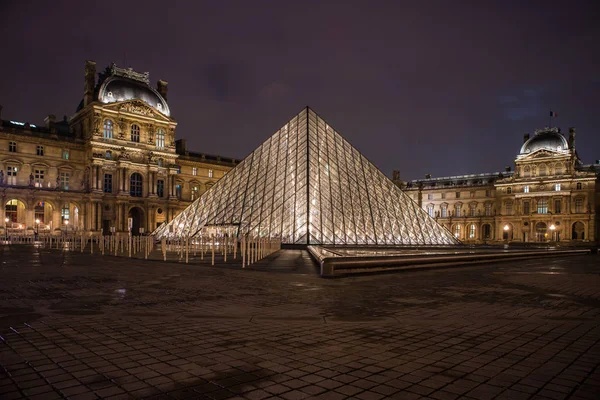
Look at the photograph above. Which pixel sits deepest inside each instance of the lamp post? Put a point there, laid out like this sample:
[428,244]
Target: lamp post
[6,227]
[552,229]
[67,225]
[37,228]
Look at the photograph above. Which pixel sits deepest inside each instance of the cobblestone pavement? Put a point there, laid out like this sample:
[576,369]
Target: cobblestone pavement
[82,326]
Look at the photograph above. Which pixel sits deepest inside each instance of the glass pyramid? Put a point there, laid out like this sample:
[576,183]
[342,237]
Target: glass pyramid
[307,185]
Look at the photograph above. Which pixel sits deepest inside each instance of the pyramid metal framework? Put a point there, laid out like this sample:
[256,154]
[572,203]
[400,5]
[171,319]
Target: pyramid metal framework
[307,185]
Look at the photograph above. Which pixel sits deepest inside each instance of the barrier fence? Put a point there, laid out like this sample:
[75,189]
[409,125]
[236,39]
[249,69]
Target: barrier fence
[216,248]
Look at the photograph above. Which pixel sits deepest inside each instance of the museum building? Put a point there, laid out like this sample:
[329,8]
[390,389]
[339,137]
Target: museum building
[551,196]
[113,166]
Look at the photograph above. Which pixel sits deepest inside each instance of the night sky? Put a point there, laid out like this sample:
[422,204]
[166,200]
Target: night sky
[445,88]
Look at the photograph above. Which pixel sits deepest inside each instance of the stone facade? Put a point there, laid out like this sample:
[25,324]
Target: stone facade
[550,197]
[113,165]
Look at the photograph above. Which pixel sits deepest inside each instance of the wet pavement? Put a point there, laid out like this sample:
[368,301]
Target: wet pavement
[84,326]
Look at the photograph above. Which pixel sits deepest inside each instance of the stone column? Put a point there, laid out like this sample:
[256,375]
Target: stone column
[93,177]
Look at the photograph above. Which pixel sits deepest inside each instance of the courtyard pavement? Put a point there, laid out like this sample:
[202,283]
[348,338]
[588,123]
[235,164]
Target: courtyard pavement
[83,326]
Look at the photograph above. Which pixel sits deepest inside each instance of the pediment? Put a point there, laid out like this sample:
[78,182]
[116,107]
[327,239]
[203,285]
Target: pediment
[540,154]
[136,107]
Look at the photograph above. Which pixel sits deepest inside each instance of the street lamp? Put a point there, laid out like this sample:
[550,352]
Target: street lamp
[37,228]
[67,225]
[552,228]
[6,227]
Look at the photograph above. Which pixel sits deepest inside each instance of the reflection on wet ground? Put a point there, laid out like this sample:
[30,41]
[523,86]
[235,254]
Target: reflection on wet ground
[73,325]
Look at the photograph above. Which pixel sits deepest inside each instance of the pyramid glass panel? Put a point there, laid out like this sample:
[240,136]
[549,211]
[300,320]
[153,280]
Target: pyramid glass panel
[307,185]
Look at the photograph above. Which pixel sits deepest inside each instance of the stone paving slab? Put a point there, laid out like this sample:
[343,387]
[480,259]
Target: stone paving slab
[85,327]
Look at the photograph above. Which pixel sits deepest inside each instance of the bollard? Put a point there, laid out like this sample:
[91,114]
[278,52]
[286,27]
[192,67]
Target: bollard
[213,249]
[163,247]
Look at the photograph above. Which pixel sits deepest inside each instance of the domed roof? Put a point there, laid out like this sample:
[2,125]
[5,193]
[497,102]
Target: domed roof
[545,139]
[118,88]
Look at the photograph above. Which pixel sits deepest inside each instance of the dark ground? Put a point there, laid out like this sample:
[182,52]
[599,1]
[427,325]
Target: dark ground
[83,326]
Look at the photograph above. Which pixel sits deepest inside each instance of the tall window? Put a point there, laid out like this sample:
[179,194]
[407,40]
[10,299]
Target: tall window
[210,173]
[488,193]
[10,210]
[194,171]
[458,195]
[526,189]
[444,211]
[195,192]
[160,139]
[65,154]
[557,209]
[526,172]
[135,133]
[430,211]
[38,177]
[39,150]
[578,205]
[472,209]
[64,180]
[160,188]
[526,209]
[443,195]
[472,231]
[457,210]
[108,155]
[509,190]
[135,185]
[12,147]
[11,174]
[65,213]
[38,212]
[508,207]
[557,187]
[108,129]
[107,183]
[488,209]
[542,206]
[457,231]
[579,185]
[430,196]
[178,191]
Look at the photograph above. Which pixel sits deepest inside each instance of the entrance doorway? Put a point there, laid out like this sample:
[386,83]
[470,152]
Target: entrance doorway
[137,217]
[541,232]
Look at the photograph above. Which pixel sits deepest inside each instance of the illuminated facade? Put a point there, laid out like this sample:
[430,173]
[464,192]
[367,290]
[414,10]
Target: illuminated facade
[308,185]
[550,197]
[114,163]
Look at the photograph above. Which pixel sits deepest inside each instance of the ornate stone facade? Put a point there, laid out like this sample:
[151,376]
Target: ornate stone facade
[550,197]
[113,165]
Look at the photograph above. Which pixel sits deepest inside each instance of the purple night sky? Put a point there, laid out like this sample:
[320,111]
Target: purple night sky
[434,87]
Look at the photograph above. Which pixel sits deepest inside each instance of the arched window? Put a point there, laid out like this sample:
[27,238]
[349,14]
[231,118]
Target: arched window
[160,139]
[65,213]
[135,133]
[135,185]
[108,129]
[457,231]
[472,230]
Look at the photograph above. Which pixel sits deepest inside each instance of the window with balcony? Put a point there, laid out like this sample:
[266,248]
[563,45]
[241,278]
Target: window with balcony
[11,174]
[508,208]
[578,206]
[488,209]
[472,209]
[430,210]
[38,177]
[526,209]
[457,210]
[557,207]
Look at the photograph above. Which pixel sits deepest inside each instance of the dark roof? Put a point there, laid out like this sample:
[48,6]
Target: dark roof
[60,131]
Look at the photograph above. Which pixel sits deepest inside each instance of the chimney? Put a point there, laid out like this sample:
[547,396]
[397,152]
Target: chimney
[525,137]
[0,112]
[427,176]
[507,169]
[50,120]
[572,138]
[90,82]
[162,87]
[395,175]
